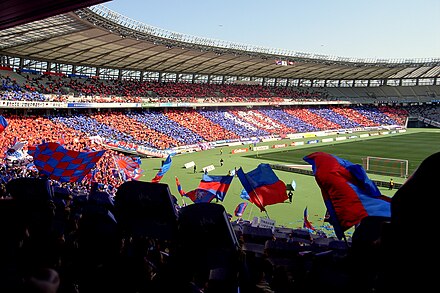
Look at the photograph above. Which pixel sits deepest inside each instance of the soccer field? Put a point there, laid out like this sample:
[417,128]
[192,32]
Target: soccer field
[414,145]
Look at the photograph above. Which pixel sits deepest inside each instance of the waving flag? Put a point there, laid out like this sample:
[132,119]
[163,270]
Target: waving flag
[211,187]
[165,167]
[3,123]
[244,194]
[130,167]
[263,186]
[306,223]
[348,193]
[179,187]
[58,163]
[239,210]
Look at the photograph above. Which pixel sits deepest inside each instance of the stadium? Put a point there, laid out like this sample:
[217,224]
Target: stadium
[85,79]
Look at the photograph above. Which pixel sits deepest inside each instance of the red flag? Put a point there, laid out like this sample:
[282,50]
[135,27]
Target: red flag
[63,165]
[348,193]
[306,223]
[263,186]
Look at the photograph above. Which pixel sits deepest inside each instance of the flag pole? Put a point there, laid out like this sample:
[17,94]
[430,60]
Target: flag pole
[250,212]
[256,195]
[259,201]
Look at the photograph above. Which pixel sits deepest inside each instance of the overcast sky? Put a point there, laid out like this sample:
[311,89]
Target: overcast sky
[345,28]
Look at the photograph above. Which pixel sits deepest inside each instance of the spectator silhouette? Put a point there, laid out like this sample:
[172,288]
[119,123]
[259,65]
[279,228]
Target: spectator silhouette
[407,261]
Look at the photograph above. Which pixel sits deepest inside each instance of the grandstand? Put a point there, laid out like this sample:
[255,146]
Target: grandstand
[93,79]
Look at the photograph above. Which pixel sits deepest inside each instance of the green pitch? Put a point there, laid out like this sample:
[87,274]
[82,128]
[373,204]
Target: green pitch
[414,145]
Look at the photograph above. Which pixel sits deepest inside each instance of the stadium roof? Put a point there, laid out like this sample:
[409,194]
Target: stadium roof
[17,12]
[99,37]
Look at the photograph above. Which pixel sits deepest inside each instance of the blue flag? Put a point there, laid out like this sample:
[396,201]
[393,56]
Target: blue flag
[3,123]
[239,210]
[263,186]
[165,167]
[211,187]
[348,193]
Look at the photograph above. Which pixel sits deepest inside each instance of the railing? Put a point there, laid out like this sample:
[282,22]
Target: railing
[140,27]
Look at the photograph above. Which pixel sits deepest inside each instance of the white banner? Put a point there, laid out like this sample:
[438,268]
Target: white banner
[261,148]
[208,168]
[189,164]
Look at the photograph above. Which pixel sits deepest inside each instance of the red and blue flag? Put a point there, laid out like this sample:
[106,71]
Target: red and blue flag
[58,163]
[179,187]
[263,186]
[349,195]
[307,223]
[239,210]
[165,167]
[211,187]
[3,123]
[128,166]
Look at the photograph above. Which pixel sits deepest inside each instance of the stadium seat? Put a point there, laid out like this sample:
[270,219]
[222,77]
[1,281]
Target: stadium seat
[206,242]
[145,209]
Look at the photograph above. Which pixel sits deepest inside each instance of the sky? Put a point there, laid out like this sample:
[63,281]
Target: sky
[379,29]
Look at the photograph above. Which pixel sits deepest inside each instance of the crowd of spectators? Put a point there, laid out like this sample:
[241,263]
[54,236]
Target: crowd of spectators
[56,239]
[381,118]
[194,121]
[35,130]
[164,130]
[50,87]
[354,116]
[313,119]
[431,112]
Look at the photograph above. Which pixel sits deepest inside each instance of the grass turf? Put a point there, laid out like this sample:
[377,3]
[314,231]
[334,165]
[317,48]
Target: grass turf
[414,145]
